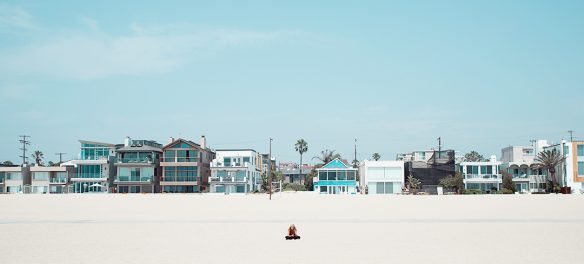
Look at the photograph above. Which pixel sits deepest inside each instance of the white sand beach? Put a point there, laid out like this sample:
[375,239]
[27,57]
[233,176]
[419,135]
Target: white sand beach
[213,228]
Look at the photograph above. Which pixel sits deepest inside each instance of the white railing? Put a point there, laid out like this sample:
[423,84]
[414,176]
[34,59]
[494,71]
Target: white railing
[482,176]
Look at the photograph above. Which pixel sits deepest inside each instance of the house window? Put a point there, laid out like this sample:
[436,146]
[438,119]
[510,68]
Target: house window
[580,168]
[580,150]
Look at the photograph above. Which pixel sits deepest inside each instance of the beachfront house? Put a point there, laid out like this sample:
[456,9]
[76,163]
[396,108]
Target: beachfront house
[519,161]
[185,166]
[336,177]
[571,172]
[137,166]
[236,171]
[14,178]
[381,177]
[50,179]
[94,170]
[482,175]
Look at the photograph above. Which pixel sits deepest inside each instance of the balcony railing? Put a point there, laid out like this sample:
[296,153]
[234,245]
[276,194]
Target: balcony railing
[482,176]
[179,178]
[40,179]
[88,175]
[134,160]
[177,159]
[134,178]
[58,180]
[228,179]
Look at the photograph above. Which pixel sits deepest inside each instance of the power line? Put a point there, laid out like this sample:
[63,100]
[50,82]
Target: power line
[24,143]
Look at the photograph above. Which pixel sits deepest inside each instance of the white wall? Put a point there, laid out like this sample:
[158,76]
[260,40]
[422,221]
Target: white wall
[372,172]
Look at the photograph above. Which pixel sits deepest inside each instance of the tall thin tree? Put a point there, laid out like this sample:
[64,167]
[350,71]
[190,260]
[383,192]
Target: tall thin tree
[301,147]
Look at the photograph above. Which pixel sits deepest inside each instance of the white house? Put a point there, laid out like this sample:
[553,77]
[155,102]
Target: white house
[381,177]
[482,175]
[236,171]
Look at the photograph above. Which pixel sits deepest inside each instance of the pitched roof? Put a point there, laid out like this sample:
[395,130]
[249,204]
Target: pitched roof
[336,164]
[180,140]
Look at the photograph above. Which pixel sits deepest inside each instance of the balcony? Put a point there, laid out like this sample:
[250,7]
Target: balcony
[179,179]
[39,179]
[134,160]
[177,159]
[58,180]
[134,179]
[88,177]
[492,177]
[228,179]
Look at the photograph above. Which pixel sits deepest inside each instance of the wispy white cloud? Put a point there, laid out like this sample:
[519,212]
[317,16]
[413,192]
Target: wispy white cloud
[90,22]
[146,50]
[15,17]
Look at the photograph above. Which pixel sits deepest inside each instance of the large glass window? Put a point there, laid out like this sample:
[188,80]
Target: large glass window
[13,176]
[89,171]
[240,175]
[342,175]
[580,150]
[40,176]
[580,168]
[227,161]
[472,169]
[332,175]
[486,169]
[322,176]
[184,174]
[350,175]
[169,155]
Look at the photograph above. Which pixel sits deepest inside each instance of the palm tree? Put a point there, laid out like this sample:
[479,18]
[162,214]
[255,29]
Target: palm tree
[550,160]
[413,184]
[327,156]
[301,147]
[38,157]
[376,156]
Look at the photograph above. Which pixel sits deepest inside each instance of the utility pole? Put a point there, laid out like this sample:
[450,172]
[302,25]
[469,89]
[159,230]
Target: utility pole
[24,144]
[571,135]
[60,157]
[439,149]
[355,160]
[270,169]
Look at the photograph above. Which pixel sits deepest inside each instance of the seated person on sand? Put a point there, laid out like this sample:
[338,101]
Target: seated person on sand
[292,233]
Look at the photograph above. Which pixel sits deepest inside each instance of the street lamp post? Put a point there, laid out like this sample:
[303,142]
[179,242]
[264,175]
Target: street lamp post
[270,169]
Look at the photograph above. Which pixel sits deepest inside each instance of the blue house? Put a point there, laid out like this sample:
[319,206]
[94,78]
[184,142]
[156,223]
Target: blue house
[336,177]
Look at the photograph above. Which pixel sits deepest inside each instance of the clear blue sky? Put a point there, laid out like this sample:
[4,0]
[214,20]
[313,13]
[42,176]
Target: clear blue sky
[394,74]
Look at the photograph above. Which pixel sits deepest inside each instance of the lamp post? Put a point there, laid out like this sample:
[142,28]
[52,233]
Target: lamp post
[270,169]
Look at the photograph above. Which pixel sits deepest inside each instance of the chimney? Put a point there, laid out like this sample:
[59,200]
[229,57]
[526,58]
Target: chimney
[203,142]
[170,140]
[127,141]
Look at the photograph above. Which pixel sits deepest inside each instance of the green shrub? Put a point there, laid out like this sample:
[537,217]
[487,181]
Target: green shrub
[505,191]
[473,192]
[294,187]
